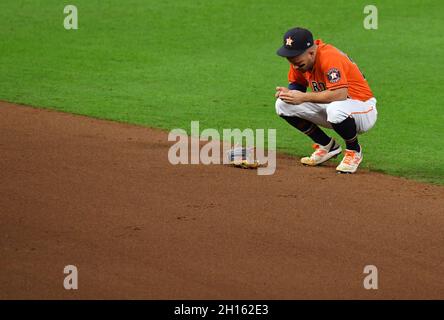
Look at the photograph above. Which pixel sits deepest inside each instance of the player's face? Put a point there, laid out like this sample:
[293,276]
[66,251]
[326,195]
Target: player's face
[304,62]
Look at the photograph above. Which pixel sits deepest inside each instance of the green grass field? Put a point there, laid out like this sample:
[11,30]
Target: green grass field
[165,63]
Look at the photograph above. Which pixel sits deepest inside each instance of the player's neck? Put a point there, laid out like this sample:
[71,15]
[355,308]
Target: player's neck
[315,57]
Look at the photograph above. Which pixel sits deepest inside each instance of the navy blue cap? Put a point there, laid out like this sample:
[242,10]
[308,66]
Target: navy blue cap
[296,41]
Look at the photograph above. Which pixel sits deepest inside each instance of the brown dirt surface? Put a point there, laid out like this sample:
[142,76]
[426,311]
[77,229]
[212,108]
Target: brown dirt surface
[102,196]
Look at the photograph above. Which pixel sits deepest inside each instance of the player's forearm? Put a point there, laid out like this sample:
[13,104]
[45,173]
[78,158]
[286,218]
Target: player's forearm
[326,96]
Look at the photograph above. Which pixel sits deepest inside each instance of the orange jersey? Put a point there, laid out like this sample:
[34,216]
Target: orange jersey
[333,69]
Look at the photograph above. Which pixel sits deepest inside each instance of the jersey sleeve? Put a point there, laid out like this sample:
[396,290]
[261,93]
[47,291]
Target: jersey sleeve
[296,77]
[334,72]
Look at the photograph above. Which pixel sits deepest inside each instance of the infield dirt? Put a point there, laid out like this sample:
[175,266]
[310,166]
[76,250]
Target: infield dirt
[102,196]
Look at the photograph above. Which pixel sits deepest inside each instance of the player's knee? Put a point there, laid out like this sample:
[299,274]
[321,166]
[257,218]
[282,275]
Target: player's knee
[335,112]
[280,107]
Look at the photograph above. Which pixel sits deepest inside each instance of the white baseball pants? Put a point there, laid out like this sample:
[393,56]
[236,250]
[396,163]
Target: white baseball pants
[364,113]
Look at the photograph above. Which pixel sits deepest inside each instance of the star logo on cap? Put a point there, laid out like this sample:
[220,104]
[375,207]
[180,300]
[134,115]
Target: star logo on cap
[289,41]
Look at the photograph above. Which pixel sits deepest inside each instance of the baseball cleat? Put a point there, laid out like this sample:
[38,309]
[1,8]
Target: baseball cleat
[322,153]
[351,161]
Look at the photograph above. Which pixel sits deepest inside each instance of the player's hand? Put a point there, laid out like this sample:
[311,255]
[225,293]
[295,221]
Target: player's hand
[279,90]
[292,96]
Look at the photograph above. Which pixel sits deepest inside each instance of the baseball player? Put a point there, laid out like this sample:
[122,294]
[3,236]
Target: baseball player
[340,98]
